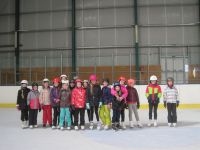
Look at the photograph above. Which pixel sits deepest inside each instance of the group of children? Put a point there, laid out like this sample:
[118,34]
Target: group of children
[70,99]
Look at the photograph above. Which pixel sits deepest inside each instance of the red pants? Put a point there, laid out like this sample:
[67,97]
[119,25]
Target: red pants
[47,114]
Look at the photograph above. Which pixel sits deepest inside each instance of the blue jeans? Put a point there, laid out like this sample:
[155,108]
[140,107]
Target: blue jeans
[65,116]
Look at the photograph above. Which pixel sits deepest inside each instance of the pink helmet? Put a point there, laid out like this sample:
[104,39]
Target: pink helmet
[93,77]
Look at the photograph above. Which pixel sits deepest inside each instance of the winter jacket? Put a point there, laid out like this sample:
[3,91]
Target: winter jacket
[106,95]
[54,94]
[153,93]
[33,99]
[65,98]
[123,89]
[116,104]
[44,97]
[22,98]
[171,95]
[132,97]
[93,97]
[78,97]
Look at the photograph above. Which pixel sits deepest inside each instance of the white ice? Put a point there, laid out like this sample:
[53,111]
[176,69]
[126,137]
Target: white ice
[185,136]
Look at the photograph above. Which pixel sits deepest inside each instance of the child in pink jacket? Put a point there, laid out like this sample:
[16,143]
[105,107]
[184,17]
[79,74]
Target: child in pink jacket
[122,81]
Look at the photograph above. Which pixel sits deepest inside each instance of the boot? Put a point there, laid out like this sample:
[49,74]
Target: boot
[98,125]
[131,124]
[91,125]
[139,124]
[150,123]
[123,125]
[155,124]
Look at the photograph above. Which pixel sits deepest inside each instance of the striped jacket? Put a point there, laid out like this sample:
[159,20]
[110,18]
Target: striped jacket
[170,95]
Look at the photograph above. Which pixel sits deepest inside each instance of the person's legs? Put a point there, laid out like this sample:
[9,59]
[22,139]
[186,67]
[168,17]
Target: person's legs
[97,113]
[76,117]
[130,112]
[101,114]
[82,116]
[122,113]
[35,117]
[68,117]
[150,111]
[62,116]
[44,115]
[31,116]
[135,110]
[174,113]
[49,114]
[107,115]
[155,111]
[91,113]
[169,110]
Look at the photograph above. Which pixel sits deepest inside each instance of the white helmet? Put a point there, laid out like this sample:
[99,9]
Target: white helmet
[46,80]
[85,81]
[153,78]
[63,76]
[24,82]
[65,82]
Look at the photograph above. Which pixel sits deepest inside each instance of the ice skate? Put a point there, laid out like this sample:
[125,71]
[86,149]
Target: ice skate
[98,125]
[82,127]
[131,124]
[155,124]
[139,124]
[123,125]
[150,123]
[76,128]
[91,125]
[174,124]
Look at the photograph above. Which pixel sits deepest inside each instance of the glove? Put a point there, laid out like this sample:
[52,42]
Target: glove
[39,109]
[165,104]
[87,106]
[177,103]
[138,105]
[100,104]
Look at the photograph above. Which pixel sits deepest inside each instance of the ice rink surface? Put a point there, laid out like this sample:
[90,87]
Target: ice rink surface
[185,136]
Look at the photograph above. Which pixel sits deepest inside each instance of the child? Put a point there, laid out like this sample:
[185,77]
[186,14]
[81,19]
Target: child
[63,77]
[153,94]
[122,81]
[72,86]
[171,101]
[65,102]
[22,102]
[117,105]
[85,86]
[78,104]
[93,96]
[34,105]
[45,103]
[104,112]
[133,103]
[54,96]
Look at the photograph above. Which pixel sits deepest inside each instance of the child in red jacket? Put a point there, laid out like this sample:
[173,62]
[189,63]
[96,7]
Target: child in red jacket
[78,104]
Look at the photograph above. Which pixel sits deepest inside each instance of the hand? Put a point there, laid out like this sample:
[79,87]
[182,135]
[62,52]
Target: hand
[18,108]
[138,105]
[87,106]
[177,103]
[57,100]
[109,106]
[100,104]
[165,104]
[121,98]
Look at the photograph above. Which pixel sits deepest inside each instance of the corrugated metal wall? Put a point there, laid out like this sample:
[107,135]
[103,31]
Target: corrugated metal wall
[104,28]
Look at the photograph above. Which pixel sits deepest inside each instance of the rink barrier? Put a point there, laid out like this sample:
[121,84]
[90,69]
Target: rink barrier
[143,106]
[188,95]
